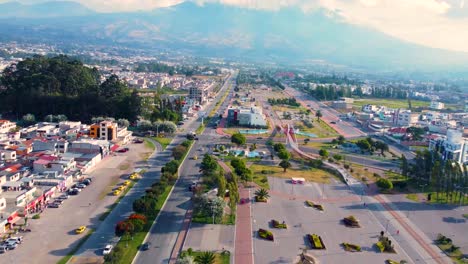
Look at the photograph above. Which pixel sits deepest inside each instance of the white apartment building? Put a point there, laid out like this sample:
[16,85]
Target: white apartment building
[198,94]
[405,118]
[452,147]
[437,105]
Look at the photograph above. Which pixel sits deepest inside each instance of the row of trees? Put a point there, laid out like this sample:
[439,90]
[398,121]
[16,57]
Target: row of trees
[241,169]
[145,207]
[157,126]
[64,86]
[445,177]
[284,101]
[329,92]
[370,145]
[283,154]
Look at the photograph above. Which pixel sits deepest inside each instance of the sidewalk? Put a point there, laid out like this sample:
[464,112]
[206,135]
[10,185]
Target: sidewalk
[181,237]
[243,253]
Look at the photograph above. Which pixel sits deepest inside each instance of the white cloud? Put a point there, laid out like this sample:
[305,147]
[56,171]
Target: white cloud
[427,22]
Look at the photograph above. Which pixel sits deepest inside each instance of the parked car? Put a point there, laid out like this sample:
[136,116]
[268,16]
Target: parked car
[74,191]
[11,246]
[125,183]
[80,229]
[122,150]
[107,250]
[81,186]
[86,182]
[3,249]
[53,205]
[145,246]
[17,240]
[138,141]
[116,192]
[64,196]
[58,201]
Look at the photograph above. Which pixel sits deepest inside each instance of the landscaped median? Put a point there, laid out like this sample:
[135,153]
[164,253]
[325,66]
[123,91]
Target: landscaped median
[134,229]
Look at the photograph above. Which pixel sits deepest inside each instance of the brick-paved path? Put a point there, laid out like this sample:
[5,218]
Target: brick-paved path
[243,253]
[181,237]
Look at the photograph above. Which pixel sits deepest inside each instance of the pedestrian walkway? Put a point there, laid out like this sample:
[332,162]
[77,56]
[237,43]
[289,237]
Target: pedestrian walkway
[243,252]
[182,236]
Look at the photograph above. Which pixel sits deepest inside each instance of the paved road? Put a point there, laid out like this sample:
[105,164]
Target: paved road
[163,234]
[345,128]
[53,234]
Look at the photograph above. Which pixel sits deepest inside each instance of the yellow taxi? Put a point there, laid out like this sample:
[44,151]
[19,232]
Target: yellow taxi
[121,188]
[195,157]
[80,229]
[125,183]
[134,176]
[117,192]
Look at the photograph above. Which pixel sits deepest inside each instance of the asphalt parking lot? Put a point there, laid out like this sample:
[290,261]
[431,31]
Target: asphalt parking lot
[53,235]
[287,203]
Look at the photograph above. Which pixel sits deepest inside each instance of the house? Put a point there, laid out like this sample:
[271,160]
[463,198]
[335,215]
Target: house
[369,108]
[405,118]
[105,130]
[8,155]
[6,126]
[437,105]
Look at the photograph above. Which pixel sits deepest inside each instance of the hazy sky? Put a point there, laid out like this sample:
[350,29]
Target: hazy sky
[435,23]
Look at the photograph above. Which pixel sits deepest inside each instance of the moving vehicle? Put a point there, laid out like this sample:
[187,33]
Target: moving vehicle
[80,229]
[145,246]
[107,250]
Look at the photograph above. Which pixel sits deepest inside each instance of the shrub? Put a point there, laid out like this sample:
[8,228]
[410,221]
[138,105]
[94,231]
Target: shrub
[385,245]
[380,246]
[351,221]
[266,234]
[346,166]
[277,224]
[389,261]
[351,247]
[316,241]
[36,216]
[384,184]
[316,206]
[443,240]
[178,152]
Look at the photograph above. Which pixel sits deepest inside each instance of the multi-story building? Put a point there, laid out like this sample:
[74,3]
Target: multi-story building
[405,118]
[252,117]
[6,126]
[106,130]
[437,105]
[198,94]
[452,147]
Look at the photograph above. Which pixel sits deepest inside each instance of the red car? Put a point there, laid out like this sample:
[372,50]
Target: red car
[122,150]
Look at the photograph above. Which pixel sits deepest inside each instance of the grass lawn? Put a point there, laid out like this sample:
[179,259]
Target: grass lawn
[287,108]
[128,253]
[314,175]
[392,103]
[321,129]
[455,256]
[465,215]
[218,104]
[413,197]
[261,180]
[208,219]
[443,199]
[149,144]
[220,258]
[65,259]
[164,141]
[360,172]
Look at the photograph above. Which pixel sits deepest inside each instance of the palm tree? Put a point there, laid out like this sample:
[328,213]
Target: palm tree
[318,114]
[205,257]
[262,194]
[285,164]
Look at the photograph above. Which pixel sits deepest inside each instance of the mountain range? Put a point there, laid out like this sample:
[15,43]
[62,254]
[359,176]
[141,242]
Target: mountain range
[288,35]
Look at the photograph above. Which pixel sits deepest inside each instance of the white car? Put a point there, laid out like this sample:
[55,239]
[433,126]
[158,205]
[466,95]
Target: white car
[107,250]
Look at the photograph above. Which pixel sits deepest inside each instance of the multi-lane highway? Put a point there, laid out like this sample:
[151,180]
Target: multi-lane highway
[163,234]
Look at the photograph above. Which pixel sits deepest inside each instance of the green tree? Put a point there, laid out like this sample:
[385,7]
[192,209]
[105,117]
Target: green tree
[278,147]
[28,119]
[238,139]
[341,139]
[262,194]
[205,257]
[384,184]
[284,155]
[323,153]
[404,166]
[285,164]
[318,114]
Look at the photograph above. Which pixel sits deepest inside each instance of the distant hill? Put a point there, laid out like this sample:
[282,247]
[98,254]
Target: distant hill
[41,10]
[287,36]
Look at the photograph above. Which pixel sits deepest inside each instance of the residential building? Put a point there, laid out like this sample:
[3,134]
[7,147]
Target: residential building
[6,126]
[198,94]
[437,105]
[405,118]
[105,130]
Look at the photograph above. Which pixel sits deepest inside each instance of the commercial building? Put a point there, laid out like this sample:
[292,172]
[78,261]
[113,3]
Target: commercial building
[251,117]
[452,147]
[198,94]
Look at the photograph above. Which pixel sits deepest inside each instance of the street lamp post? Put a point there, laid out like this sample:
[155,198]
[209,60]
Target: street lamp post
[386,226]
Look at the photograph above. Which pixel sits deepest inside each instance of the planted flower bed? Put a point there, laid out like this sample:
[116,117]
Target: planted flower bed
[277,224]
[351,247]
[260,199]
[316,206]
[265,234]
[316,241]
[385,245]
[351,221]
